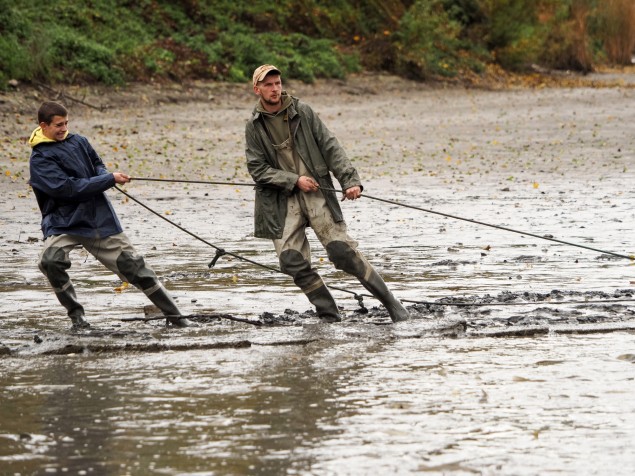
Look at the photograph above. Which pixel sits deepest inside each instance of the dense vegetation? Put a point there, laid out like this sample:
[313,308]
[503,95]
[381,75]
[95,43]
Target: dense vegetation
[114,41]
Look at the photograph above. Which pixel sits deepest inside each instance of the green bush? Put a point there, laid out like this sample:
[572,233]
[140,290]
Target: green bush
[298,56]
[428,42]
[512,31]
[15,61]
[111,41]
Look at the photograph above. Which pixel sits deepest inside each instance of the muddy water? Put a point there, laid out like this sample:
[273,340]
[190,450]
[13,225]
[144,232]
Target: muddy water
[489,406]
[361,397]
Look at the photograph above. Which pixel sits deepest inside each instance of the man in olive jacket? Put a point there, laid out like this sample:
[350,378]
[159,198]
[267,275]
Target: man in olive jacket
[291,155]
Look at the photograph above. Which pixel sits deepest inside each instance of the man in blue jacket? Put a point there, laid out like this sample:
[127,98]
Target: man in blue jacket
[291,155]
[69,180]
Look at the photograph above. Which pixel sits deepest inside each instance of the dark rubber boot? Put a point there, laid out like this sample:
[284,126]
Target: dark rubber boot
[68,299]
[161,299]
[79,322]
[324,304]
[378,288]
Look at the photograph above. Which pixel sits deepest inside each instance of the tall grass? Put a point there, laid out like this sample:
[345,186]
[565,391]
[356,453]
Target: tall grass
[616,29]
[568,44]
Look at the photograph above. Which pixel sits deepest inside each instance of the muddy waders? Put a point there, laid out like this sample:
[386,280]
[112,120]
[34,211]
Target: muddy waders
[310,209]
[118,255]
[377,287]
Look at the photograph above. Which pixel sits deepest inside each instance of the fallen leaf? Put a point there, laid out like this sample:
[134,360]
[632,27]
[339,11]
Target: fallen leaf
[122,288]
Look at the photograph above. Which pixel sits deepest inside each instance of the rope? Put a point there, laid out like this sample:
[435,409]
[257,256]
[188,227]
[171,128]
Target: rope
[392,202]
[499,227]
[206,182]
[360,297]
[220,252]
[193,316]
[539,303]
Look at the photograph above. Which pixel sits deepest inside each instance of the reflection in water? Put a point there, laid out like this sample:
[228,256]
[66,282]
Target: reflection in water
[488,406]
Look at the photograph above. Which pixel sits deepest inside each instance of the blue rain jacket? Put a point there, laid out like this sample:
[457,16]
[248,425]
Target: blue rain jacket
[69,180]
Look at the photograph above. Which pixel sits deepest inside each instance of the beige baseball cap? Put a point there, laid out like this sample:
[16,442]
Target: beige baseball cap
[264,70]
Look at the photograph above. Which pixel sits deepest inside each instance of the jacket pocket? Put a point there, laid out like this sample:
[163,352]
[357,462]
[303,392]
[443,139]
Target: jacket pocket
[269,213]
[75,215]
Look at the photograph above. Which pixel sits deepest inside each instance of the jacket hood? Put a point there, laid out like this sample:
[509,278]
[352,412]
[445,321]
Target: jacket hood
[38,137]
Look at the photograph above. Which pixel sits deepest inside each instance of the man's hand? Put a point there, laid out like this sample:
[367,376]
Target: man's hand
[352,193]
[307,184]
[120,177]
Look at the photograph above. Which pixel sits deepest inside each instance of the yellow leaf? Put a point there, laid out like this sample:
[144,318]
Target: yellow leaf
[535,184]
[122,288]
[7,173]
[234,279]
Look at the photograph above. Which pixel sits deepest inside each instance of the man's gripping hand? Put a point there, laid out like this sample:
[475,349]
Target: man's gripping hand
[307,184]
[120,177]
[352,193]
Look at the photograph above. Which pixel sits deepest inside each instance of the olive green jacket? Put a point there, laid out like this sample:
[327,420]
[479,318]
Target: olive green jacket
[315,145]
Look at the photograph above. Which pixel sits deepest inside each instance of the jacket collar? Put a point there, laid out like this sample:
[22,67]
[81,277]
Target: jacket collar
[292,110]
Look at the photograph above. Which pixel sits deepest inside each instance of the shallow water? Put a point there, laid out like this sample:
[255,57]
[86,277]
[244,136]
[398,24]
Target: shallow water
[357,397]
[462,406]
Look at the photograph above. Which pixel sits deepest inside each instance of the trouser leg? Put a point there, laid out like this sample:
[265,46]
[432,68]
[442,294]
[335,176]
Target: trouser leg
[294,254]
[53,262]
[118,255]
[306,278]
[343,253]
[351,261]
[376,285]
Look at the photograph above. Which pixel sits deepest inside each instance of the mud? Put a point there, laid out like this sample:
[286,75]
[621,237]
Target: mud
[548,161]
[502,322]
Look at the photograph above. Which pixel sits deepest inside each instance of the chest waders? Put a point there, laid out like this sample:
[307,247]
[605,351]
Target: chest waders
[294,253]
[118,255]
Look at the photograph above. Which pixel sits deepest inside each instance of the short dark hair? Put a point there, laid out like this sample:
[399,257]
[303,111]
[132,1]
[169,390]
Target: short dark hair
[48,110]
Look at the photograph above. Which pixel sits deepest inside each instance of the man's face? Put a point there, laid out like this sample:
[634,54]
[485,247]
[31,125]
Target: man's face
[270,90]
[57,129]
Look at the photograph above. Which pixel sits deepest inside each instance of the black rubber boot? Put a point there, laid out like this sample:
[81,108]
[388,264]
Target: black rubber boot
[68,299]
[79,322]
[376,285]
[161,299]
[325,305]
